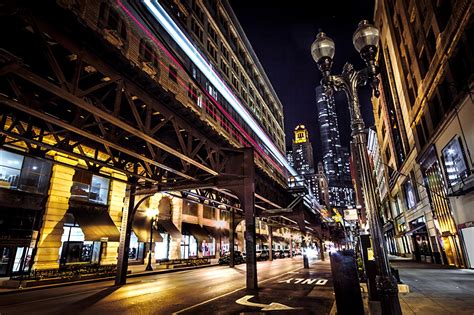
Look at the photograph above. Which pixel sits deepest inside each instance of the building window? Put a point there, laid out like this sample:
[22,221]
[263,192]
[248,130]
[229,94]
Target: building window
[24,173]
[89,187]
[211,49]
[190,208]
[147,53]
[212,33]
[410,194]
[197,30]
[454,162]
[111,20]
[209,213]
[173,74]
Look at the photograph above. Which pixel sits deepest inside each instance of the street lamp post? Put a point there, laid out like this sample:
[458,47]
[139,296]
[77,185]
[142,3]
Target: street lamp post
[152,214]
[365,40]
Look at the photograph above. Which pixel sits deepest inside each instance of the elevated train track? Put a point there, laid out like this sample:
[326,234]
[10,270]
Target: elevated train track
[88,81]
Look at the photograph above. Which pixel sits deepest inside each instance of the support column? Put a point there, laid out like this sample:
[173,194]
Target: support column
[321,248]
[125,233]
[177,219]
[47,250]
[291,246]
[248,205]
[231,238]
[116,201]
[270,243]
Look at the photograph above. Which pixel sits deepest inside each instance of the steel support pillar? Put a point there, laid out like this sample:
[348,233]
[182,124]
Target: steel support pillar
[291,246]
[231,238]
[125,232]
[321,248]
[246,196]
[270,243]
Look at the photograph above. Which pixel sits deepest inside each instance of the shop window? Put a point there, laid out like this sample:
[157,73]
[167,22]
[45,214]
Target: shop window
[454,162]
[89,187]
[411,199]
[24,173]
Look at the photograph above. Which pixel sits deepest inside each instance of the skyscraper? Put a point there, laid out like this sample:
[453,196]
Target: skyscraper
[335,157]
[302,151]
[300,156]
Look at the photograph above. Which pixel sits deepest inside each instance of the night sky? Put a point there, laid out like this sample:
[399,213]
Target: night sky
[281,36]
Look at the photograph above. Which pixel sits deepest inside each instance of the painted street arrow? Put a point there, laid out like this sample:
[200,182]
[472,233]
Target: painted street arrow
[265,307]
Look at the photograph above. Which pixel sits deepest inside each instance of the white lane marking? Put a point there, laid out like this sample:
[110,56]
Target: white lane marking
[265,307]
[228,293]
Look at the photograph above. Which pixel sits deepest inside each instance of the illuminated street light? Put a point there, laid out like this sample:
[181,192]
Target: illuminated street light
[365,40]
[151,213]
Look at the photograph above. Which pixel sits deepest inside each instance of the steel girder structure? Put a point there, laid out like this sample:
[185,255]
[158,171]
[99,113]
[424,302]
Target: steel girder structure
[65,90]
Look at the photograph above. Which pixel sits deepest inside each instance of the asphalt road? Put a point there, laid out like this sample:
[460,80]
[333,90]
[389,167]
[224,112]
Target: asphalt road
[154,294]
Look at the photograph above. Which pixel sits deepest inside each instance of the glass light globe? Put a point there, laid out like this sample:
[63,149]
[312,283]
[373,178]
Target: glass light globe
[366,35]
[322,47]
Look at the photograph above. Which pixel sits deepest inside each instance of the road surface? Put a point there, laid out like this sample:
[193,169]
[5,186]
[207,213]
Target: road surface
[154,294]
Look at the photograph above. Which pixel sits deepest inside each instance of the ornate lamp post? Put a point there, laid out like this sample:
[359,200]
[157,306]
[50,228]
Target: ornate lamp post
[152,213]
[365,40]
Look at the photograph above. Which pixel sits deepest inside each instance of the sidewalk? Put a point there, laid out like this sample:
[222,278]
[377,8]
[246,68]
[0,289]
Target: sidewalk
[434,289]
[135,271]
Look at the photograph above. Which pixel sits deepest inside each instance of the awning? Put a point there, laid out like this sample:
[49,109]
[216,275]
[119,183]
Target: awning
[95,222]
[261,237]
[197,231]
[166,225]
[278,239]
[419,229]
[141,227]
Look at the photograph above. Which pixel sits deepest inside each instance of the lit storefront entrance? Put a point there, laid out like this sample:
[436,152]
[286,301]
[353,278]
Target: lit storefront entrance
[196,242]
[24,182]
[86,227]
[420,241]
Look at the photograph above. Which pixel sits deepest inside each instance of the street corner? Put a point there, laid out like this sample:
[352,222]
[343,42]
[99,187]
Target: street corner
[296,292]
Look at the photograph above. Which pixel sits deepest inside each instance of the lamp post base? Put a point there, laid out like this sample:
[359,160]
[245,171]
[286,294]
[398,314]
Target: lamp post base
[149,267]
[387,289]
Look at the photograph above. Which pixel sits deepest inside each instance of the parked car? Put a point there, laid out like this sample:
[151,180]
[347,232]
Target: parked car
[263,255]
[238,258]
[280,254]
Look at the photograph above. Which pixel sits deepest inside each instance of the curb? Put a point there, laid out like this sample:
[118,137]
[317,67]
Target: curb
[132,275]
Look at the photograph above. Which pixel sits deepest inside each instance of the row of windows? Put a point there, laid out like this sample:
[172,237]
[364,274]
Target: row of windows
[240,52]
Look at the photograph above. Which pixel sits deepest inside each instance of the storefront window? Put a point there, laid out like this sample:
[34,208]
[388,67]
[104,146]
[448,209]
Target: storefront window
[189,247]
[136,249]
[162,248]
[74,247]
[90,187]
[10,169]
[454,162]
[410,194]
[24,173]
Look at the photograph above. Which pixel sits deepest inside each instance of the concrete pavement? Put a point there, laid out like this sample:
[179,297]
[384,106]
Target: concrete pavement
[435,289]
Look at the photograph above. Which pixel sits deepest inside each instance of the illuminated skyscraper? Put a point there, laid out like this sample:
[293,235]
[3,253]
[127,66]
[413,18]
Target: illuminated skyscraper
[335,157]
[302,151]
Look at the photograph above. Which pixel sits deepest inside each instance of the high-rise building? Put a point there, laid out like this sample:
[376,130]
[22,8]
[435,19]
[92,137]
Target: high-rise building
[302,151]
[335,157]
[424,121]
[300,156]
